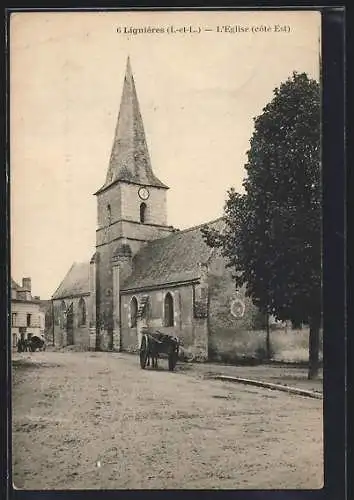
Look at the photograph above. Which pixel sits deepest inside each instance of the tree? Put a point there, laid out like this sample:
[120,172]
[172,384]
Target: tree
[272,236]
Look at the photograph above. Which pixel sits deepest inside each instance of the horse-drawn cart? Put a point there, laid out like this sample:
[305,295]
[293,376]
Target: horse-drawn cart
[32,343]
[154,343]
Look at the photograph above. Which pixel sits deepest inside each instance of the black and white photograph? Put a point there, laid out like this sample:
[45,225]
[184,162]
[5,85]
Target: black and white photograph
[166,250]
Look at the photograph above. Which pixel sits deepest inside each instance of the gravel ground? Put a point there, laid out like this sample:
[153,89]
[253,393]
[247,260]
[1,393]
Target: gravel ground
[97,421]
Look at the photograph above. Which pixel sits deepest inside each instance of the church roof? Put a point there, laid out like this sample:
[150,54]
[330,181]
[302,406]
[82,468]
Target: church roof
[169,260]
[76,281]
[130,159]
[172,259]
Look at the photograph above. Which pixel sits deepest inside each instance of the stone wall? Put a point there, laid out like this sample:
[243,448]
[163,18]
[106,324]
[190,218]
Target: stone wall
[237,338]
[112,197]
[286,346]
[104,295]
[191,330]
[223,324]
[134,232]
[46,309]
[19,312]
[121,224]
[125,203]
[81,333]
[156,212]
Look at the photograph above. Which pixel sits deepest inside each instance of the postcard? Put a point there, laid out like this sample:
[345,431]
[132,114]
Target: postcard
[166,321]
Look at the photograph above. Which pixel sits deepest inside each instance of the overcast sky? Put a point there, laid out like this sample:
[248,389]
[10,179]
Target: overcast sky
[198,95]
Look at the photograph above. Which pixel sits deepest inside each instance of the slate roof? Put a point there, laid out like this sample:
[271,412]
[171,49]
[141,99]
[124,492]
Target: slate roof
[130,159]
[169,260]
[172,259]
[76,281]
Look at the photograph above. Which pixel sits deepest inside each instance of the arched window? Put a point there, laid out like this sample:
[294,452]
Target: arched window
[109,215]
[62,314]
[82,312]
[133,312]
[168,310]
[142,212]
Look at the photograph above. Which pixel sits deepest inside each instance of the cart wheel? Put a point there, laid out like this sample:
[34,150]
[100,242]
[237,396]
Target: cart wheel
[143,352]
[172,360]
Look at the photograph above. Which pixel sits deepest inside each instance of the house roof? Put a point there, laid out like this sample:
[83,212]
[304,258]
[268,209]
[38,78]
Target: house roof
[76,281]
[130,159]
[172,259]
[14,284]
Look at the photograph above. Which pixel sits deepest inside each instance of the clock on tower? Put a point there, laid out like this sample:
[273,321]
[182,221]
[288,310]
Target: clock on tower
[143,193]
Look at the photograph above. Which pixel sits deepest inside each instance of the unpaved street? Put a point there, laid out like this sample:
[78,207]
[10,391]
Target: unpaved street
[96,420]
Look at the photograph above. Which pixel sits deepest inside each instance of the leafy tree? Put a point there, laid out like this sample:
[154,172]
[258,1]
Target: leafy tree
[272,236]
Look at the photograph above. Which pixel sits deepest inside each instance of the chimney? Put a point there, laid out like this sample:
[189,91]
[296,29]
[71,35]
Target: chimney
[26,284]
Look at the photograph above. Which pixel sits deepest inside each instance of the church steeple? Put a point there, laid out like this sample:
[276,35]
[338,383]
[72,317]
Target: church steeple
[130,159]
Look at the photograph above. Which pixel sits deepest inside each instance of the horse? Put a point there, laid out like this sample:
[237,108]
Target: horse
[153,355]
[158,342]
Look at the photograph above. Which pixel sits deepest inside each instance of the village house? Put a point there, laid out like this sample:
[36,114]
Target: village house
[144,272]
[26,316]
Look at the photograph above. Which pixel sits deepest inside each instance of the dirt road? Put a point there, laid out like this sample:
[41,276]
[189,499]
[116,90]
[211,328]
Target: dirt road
[96,420]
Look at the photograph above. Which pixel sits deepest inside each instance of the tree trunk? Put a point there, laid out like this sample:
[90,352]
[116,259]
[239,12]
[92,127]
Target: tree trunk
[267,338]
[314,345]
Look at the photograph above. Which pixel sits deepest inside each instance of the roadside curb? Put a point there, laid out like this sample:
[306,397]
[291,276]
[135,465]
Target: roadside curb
[269,385]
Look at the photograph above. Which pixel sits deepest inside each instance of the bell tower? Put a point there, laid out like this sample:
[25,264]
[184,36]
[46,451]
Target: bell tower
[131,204]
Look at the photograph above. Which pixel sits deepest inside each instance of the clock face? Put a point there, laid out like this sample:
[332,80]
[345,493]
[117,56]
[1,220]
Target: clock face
[144,193]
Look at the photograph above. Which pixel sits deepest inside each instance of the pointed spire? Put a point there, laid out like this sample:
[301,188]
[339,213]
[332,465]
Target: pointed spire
[130,159]
[128,71]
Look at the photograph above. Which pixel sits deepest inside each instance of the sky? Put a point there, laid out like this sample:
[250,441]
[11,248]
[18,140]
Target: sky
[198,95]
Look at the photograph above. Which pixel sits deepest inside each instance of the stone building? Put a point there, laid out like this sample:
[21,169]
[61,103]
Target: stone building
[26,316]
[144,272]
[73,307]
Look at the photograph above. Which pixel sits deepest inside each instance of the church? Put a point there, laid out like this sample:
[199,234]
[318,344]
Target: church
[145,272]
